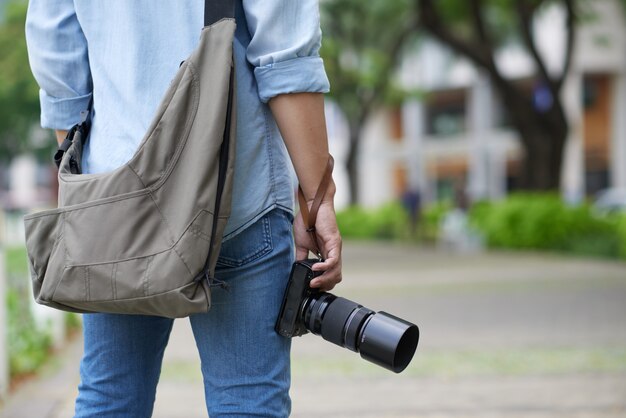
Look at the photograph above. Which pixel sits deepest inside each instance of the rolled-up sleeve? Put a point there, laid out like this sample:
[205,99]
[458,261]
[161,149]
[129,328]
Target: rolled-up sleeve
[57,51]
[284,47]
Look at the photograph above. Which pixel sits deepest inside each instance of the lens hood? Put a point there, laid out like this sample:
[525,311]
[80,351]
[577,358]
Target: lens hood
[388,341]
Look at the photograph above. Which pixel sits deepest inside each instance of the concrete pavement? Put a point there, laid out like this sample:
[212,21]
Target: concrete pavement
[502,335]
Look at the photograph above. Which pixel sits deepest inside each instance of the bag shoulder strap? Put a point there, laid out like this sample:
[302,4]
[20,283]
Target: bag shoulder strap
[215,10]
[310,216]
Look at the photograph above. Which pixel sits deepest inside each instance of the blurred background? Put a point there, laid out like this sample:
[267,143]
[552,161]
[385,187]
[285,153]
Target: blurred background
[481,175]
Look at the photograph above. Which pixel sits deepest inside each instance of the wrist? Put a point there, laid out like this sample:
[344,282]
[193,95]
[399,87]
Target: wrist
[329,195]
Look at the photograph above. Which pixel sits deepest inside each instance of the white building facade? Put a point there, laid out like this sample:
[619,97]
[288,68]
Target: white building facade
[458,136]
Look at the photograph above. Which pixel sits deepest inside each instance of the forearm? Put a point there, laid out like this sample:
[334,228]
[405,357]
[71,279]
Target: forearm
[60,135]
[58,57]
[301,121]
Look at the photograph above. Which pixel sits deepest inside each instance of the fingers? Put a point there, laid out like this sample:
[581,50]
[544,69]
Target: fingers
[329,239]
[327,280]
[331,268]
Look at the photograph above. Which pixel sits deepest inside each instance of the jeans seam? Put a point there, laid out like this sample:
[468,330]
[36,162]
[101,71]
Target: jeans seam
[265,249]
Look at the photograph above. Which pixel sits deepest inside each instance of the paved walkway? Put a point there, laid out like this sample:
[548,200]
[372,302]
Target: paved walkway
[502,335]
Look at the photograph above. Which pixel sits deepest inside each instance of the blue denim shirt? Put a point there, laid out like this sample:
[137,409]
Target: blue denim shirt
[125,53]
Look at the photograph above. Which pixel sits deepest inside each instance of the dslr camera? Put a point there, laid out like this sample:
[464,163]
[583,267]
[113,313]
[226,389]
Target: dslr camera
[379,337]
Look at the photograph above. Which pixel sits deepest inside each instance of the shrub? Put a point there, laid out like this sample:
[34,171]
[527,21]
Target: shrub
[387,222]
[543,221]
[432,217]
[621,228]
[28,344]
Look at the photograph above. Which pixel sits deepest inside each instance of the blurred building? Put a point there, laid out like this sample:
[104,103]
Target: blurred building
[458,136]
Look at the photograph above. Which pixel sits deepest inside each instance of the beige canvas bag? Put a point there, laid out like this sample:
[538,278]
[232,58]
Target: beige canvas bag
[145,237]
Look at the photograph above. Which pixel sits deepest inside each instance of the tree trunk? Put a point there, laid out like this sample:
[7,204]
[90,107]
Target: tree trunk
[543,136]
[541,169]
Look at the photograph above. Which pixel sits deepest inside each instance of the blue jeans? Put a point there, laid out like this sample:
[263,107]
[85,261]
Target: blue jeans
[245,364]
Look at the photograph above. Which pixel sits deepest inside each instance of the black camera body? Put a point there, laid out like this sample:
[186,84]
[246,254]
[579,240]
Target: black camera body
[290,321]
[379,337]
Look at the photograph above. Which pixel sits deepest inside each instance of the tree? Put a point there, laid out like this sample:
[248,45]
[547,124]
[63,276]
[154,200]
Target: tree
[473,29]
[363,41]
[19,93]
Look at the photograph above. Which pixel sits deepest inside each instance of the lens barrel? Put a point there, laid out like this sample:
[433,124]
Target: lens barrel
[381,338]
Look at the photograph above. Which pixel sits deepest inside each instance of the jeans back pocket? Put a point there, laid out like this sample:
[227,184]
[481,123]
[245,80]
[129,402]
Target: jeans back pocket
[247,246]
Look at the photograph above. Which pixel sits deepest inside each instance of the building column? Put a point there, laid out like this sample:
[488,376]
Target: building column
[414,128]
[573,165]
[497,171]
[618,143]
[480,121]
[4,350]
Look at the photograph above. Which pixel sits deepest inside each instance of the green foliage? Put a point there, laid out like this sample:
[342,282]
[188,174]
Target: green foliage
[16,263]
[19,93]
[621,230]
[362,42]
[387,222]
[430,222]
[28,344]
[72,322]
[498,16]
[544,222]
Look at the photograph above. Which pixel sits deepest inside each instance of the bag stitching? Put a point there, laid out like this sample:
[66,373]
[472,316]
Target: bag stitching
[167,172]
[147,138]
[127,299]
[85,205]
[113,281]
[163,218]
[87,285]
[146,285]
[139,256]
[191,118]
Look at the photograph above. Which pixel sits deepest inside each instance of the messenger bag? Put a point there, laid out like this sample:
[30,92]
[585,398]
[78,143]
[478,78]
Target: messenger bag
[144,238]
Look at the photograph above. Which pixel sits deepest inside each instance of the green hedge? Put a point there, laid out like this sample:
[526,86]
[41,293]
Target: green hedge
[544,222]
[621,228]
[390,222]
[521,221]
[386,222]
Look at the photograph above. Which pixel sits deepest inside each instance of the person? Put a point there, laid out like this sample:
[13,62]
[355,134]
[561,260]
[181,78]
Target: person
[121,55]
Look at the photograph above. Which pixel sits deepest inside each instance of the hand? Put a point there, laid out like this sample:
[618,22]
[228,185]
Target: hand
[328,238]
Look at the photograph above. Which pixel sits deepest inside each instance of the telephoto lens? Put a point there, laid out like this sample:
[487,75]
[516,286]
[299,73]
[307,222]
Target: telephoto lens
[379,337]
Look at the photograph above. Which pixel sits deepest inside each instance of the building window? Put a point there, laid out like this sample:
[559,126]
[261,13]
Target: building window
[446,113]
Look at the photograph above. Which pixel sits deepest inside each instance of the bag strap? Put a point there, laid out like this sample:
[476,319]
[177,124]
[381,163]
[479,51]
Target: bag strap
[215,10]
[82,126]
[309,217]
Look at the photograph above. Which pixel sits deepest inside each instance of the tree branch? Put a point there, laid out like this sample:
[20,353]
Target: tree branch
[571,39]
[525,12]
[430,19]
[394,55]
[475,10]
[483,57]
